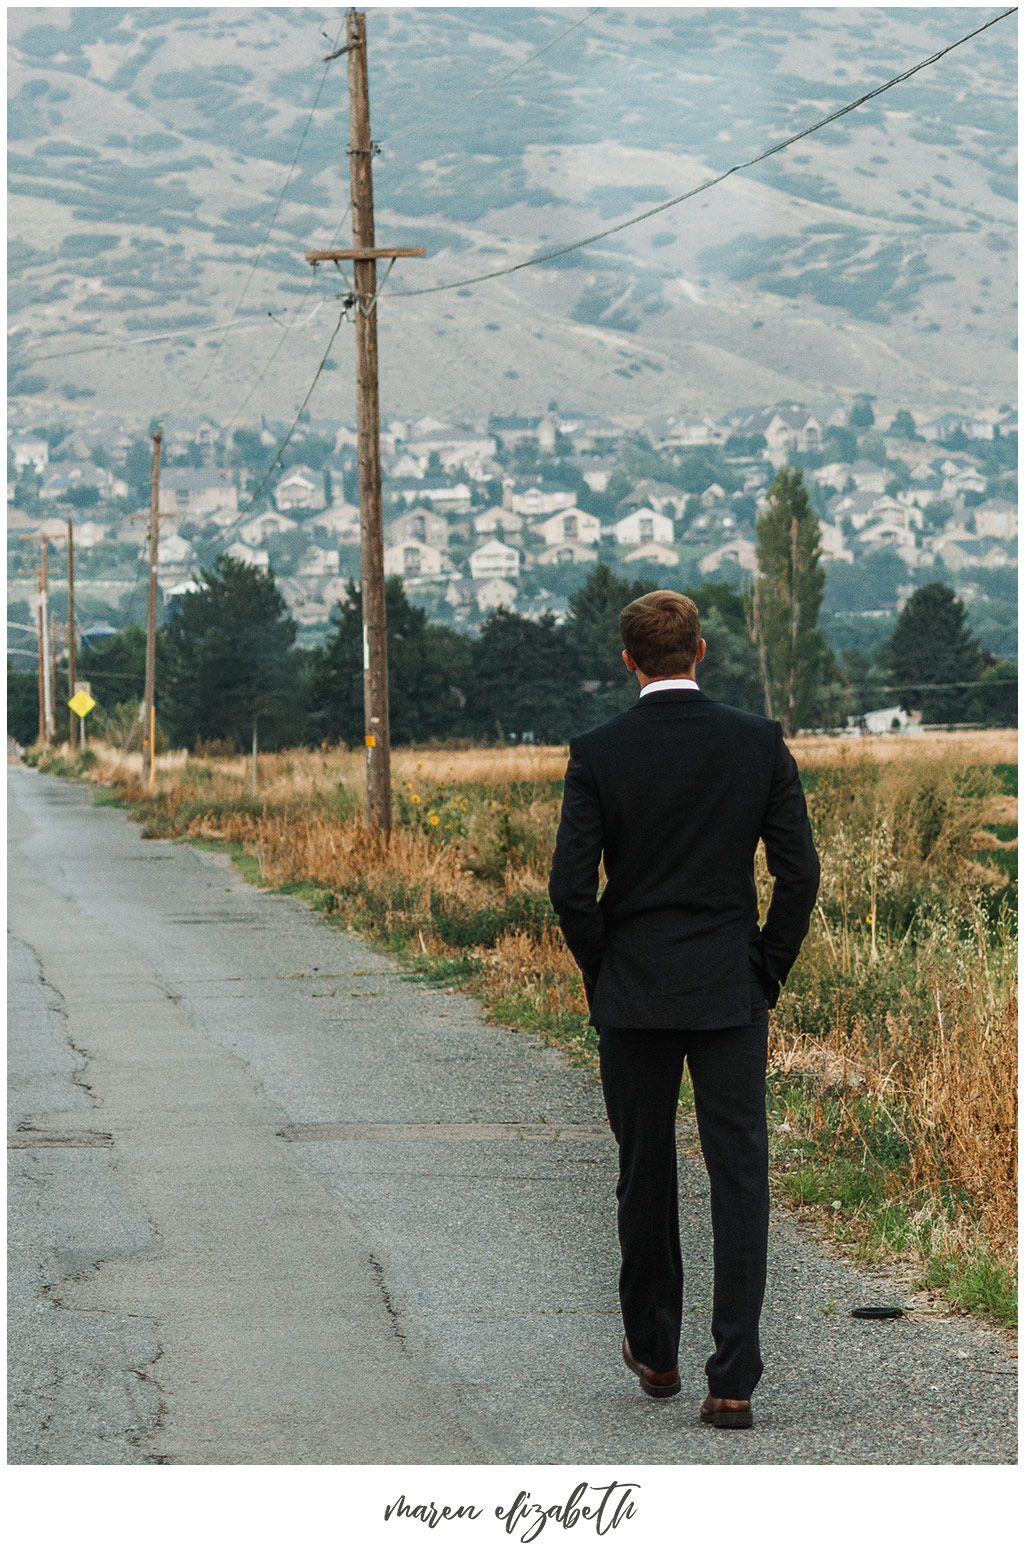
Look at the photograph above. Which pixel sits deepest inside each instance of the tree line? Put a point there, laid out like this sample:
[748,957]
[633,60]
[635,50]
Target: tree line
[227,659]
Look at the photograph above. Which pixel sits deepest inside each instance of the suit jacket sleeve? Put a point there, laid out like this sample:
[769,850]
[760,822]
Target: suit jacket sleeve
[574,870]
[793,862]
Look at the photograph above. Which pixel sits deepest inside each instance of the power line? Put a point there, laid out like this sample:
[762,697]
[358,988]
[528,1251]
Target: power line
[287,438]
[285,329]
[425,124]
[581,243]
[280,200]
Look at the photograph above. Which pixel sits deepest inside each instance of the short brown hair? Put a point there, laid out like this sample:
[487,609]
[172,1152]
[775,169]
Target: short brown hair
[661,631]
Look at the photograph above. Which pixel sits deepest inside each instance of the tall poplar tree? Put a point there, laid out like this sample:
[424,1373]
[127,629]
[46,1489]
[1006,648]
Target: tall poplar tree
[786,599]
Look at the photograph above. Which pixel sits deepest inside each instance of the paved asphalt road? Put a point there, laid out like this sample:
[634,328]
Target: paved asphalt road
[274,1202]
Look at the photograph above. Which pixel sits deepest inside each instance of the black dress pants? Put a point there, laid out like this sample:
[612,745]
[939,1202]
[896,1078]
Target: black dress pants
[641,1070]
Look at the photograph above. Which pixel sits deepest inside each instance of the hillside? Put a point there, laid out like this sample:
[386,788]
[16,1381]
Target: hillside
[149,149]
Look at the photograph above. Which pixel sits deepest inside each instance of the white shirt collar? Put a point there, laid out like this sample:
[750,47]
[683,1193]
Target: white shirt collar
[670,685]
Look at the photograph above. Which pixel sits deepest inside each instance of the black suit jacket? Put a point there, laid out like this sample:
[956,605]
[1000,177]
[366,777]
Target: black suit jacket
[675,794]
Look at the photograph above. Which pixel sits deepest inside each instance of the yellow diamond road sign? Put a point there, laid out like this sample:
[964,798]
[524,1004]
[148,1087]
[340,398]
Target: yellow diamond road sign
[81,704]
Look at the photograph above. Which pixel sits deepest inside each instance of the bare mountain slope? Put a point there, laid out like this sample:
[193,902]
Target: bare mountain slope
[149,149]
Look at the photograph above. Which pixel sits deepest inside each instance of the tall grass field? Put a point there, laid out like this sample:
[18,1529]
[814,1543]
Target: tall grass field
[893,1063]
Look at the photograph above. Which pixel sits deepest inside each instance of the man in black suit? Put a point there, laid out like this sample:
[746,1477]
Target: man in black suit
[675,794]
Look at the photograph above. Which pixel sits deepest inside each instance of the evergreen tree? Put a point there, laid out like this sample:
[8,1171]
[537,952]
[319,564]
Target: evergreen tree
[230,662]
[592,635]
[931,644]
[427,673]
[525,679]
[786,599]
[115,668]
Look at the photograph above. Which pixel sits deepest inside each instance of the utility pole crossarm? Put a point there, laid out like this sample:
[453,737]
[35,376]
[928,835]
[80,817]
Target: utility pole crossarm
[315,256]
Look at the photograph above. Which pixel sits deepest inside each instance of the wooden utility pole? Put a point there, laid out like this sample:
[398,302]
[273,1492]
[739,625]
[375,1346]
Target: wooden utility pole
[149,713]
[41,642]
[73,729]
[364,257]
[44,641]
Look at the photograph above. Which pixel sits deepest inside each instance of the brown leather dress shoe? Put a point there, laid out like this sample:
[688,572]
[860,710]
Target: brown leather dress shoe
[726,1413]
[656,1383]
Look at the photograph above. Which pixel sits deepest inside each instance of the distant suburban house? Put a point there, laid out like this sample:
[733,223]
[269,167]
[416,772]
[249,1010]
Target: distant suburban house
[419,525]
[996,519]
[316,562]
[856,509]
[490,521]
[784,428]
[653,552]
[494,558]
[596,472]
[255,531]
[257,557]
[684,432]
[893,536]
[62,475]
[741,552]
[173,549]
[34,452]
[454,500]
[833,543]
[569,525]
[342,519]
[199,491]
[869,478]
[494,593]
[660,496]
[540,499]
[408,465]
[642,525]
[567,552]
[88,533]
[955,423]
[300,488]
[968,480]
[416,560]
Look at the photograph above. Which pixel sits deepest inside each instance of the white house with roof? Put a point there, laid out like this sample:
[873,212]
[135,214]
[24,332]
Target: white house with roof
[567,552]
[200,491]
[784,428]
[738,551]
[34,452]
[412,560]
[494,558]
[996,518]
[640,526]
[653,552]
[317,562]
[341,519]
[257,557]
[893,536]
[833,543]
[494,593]
[569,525]
[173,550]
[255,530]
[419,525]
[538,500]
[300,488]
[966,480]
[663,497]
[456,499]
[496,519]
